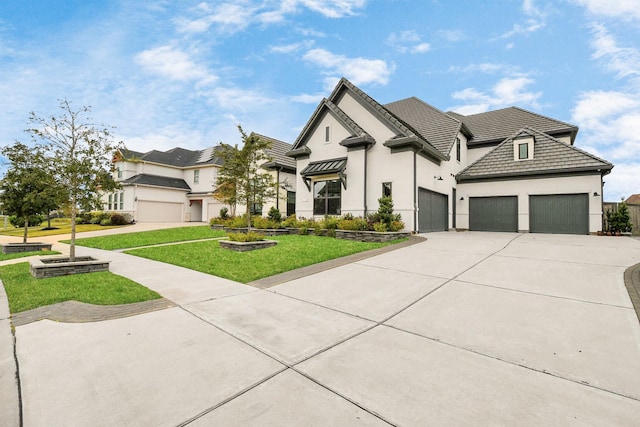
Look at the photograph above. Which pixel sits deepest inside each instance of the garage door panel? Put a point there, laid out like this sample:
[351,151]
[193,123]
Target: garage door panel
[559,213]
[159,212]
[433,211]
[493,213]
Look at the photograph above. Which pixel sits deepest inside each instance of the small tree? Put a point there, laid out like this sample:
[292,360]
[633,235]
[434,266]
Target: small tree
[620,220]
[240,178]
[28,188]
[80,153]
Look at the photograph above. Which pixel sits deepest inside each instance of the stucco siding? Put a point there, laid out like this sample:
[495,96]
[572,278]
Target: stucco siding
[589,184]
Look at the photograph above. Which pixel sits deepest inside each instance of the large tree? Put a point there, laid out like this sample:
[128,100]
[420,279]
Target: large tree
[29,187]
[241,179]
[81,153]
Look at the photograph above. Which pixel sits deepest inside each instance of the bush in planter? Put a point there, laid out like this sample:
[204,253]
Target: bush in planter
[274,215]
[619,220]
[290,222]
[251,236]
[396,226]
[380,227]
[238,222]
[353,223]
[265,223]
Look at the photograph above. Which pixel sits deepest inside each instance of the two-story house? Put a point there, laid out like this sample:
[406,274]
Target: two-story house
[503,170]
[177,185]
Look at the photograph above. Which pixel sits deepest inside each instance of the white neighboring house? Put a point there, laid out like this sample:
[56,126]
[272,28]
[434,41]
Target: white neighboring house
[177,185]
[504,170]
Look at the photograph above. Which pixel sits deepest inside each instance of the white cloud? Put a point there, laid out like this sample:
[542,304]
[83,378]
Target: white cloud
[334,8]
[623,9]
[307,98]
[508,91]
[358,70]
[171,62]
[485,67]
[624,61]
[408,42]
[452,35]
[291,48]
[536,19]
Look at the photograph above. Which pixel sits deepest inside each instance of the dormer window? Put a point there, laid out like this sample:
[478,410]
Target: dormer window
[327,134]
[523,151]
[523,148]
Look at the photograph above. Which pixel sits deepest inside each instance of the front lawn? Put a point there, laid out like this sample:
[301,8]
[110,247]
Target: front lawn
[5,257]
[59,226]
[292,251]
[25,292]
[148,238]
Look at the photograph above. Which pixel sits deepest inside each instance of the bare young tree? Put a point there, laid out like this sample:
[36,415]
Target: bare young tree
[80,152]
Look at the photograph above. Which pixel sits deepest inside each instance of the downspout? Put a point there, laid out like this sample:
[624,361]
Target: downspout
[415,192]
[278,189]
[365,181]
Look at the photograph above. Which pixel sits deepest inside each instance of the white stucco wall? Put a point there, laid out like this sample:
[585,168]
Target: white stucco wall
[524,188]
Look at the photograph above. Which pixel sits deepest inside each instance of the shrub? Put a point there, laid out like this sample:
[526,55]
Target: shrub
[224,213]
[251,236]
[290,222]
[238,222]
[117,219]
[274,215]
[356,224]
[396,226]
[105,222]
[34,220]
[264,223]
[380,227]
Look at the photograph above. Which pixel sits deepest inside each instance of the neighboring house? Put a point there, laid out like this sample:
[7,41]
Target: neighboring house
[504,170]
[177,185]
[634,199]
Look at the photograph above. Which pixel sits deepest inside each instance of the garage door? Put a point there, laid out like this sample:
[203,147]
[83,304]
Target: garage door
[493,213]
[559,214]
[432,214]
[159,212]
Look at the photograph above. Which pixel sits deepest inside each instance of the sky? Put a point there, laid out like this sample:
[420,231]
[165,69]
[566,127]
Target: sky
[185,73]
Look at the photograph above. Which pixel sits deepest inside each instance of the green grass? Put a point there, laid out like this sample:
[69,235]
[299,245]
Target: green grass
[147,238]
[62,226]
[102,288]
[5,257]
[291,252]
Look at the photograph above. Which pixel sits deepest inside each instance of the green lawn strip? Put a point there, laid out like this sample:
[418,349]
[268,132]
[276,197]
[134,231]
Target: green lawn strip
[148,238]
[291,252]
[60,229]
[25,292]
[5,257]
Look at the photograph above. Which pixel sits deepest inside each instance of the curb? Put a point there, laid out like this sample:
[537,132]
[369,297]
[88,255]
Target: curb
[632,283]
[10,405]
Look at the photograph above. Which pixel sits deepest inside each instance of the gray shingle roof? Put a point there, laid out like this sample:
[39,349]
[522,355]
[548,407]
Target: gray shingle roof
[178,157]
[157,181]
[433,125]
[277,152]
[495,126]
[550,156]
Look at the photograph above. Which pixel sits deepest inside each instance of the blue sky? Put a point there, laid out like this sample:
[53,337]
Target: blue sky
[185,73]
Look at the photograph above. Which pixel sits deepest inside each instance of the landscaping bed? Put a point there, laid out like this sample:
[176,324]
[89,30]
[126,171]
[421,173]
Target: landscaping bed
[63,266]
[12,248]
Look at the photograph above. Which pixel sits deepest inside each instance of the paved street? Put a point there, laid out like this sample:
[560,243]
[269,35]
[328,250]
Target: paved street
[464,328]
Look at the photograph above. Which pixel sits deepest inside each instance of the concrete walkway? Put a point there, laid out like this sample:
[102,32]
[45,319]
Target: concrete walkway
[464,328]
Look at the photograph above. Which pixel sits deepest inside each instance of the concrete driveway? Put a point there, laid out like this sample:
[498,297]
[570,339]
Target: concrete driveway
[465,328]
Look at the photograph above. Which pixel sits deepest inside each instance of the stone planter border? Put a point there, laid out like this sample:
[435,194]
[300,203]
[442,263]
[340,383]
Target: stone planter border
[371,236]
[247,246]
[61,266]
[13,248]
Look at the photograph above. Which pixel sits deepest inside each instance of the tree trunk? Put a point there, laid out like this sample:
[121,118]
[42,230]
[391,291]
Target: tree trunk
[72,244]
[248,216]
[26,229]
[49,220]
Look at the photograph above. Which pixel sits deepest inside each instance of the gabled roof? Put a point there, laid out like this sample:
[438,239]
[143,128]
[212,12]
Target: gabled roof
[157,181]
[277,152]
[404,133]
[495,126]
[177,157]
[435,126]
[634,199]
[551,156]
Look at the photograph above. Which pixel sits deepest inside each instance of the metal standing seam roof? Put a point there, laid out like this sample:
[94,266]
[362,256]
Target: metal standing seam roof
[550,156]
[157,181]
[496,125]
[324,167]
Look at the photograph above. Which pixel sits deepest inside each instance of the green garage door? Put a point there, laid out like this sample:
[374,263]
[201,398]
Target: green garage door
[559,214]
[493,213]
[433,211]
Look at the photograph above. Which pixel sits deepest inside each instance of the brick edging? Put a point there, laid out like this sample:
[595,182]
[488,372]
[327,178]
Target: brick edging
[632,283]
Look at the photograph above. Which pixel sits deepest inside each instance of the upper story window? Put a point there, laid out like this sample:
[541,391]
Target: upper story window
[523,151]
[196,176]
[523,148]
[327,134]
[458,149]
[119,173]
